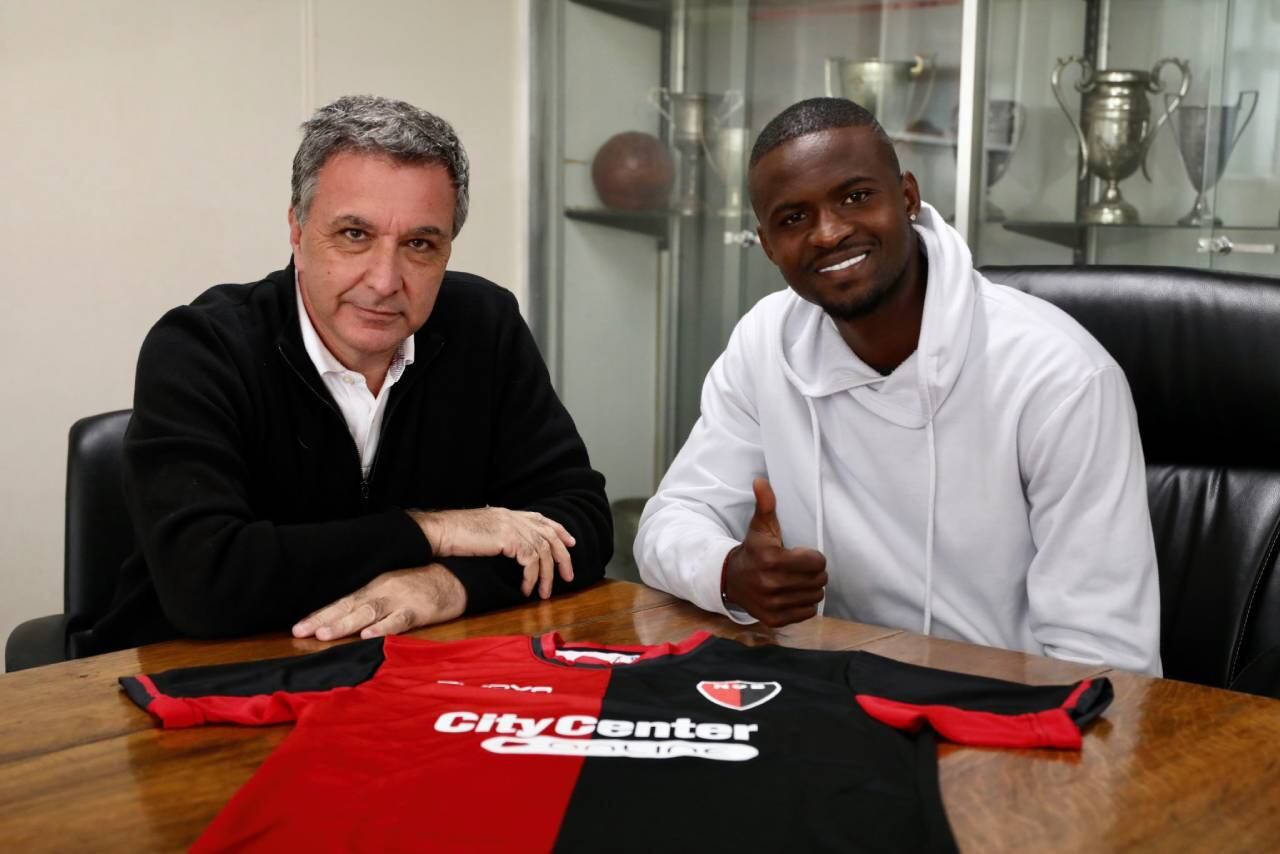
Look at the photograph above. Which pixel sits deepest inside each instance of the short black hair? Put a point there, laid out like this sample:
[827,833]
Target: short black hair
[818,114]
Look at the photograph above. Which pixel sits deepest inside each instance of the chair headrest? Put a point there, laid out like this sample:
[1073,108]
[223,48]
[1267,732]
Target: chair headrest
[1201,350]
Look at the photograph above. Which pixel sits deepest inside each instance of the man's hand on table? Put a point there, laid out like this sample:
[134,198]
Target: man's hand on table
[539,544]
[392,603]
[407,599]
[774,584]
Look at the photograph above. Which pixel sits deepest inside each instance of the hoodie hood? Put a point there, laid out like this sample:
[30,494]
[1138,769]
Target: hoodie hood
[818,362]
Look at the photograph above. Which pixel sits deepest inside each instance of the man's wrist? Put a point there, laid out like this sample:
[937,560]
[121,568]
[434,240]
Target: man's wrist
[724,579]
[451,594]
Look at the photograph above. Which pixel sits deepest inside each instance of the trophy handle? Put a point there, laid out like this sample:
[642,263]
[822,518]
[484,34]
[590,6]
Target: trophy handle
[733,102]
[1171,104]
[1245,123]
[1083,85]
[922,63]
[831,69]
[656,96]
[1173,126]
[1019,124]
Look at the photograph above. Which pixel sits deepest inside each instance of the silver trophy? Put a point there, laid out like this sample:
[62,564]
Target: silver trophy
[728,157]
[696,118]
[1005,120]
[1206,137]
[887,88]
[1115,129]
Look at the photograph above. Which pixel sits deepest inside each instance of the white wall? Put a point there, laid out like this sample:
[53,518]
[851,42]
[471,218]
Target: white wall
[144,155]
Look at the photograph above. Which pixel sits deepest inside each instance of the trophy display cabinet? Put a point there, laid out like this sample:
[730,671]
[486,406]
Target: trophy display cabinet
[1046,131]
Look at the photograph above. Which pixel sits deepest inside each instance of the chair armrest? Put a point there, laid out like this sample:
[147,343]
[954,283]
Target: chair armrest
[36,642]
[1261,676]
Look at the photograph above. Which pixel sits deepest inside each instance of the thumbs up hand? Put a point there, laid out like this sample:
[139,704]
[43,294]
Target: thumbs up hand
[772,583]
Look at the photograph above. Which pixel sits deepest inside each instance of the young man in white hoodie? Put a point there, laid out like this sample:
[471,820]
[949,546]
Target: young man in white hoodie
[898,441]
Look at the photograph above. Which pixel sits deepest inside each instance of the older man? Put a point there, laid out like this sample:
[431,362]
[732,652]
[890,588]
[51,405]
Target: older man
[363,442]
[901,439]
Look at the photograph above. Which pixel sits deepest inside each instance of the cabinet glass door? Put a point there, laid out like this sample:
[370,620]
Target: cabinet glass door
[645,131]
[1110,163]
[1159,145]
[1242,143]
[901,60]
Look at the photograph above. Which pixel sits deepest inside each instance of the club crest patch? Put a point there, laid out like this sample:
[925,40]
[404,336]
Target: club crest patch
[739,695]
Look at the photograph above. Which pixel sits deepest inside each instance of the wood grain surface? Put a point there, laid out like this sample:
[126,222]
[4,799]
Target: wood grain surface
[1170,767]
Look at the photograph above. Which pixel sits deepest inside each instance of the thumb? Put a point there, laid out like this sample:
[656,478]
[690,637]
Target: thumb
[765,519]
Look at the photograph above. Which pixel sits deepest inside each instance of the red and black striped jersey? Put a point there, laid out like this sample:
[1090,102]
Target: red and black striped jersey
[533,744]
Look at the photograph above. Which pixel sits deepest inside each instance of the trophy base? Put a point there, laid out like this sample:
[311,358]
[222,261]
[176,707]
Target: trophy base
[732,207]
[1200,216]
[1199,221]
[1111,213]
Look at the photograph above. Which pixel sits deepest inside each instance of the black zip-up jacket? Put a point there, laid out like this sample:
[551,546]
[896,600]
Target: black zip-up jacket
[245,487]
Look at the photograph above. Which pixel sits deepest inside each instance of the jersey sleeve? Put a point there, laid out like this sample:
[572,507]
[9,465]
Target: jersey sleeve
[253,693]
[976,710]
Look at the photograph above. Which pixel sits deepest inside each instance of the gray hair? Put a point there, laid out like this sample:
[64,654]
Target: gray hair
[374,125]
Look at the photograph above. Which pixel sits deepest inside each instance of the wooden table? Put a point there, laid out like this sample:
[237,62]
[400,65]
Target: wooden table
[1171,766]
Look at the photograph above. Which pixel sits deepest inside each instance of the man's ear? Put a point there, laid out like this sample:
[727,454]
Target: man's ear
[295,234]
[764,243]
[910,193]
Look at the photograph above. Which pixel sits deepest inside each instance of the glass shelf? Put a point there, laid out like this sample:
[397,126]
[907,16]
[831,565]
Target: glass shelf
[646,12]
[943,141]
[1069,234]
[923,138]
[652,223]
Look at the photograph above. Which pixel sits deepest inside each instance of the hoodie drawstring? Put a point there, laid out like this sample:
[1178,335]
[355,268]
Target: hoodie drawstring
[817,478]
[928,535]
[933,494]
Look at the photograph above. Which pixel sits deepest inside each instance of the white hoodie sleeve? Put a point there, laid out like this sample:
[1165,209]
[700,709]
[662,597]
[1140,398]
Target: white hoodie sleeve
[704,503]
[1092,586]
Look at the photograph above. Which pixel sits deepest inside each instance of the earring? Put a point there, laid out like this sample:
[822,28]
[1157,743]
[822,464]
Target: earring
[912,217]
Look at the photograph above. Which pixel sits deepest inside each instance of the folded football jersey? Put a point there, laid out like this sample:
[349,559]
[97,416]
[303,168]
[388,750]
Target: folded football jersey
[533,744]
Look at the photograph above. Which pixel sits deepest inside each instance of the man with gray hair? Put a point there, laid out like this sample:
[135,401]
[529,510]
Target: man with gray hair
[363,442]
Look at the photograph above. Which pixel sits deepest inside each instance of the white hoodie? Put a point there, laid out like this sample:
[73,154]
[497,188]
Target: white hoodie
[991,489]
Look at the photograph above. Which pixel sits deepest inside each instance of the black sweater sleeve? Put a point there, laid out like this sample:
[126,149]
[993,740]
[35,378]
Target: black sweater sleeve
[218,568]
[538,463]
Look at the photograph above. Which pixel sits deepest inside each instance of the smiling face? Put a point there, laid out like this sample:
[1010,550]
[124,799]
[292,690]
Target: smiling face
[372,253]
[835,218]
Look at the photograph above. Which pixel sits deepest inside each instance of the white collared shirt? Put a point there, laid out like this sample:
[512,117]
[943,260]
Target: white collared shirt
[360,409]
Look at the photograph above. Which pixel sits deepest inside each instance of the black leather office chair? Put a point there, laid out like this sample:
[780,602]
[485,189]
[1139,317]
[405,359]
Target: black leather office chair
[98,539]
[1202,353]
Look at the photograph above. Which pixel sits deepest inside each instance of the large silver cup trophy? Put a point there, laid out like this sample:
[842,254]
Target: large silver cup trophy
[886,87]
[696,118]
[1115,129]
[1206,137]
